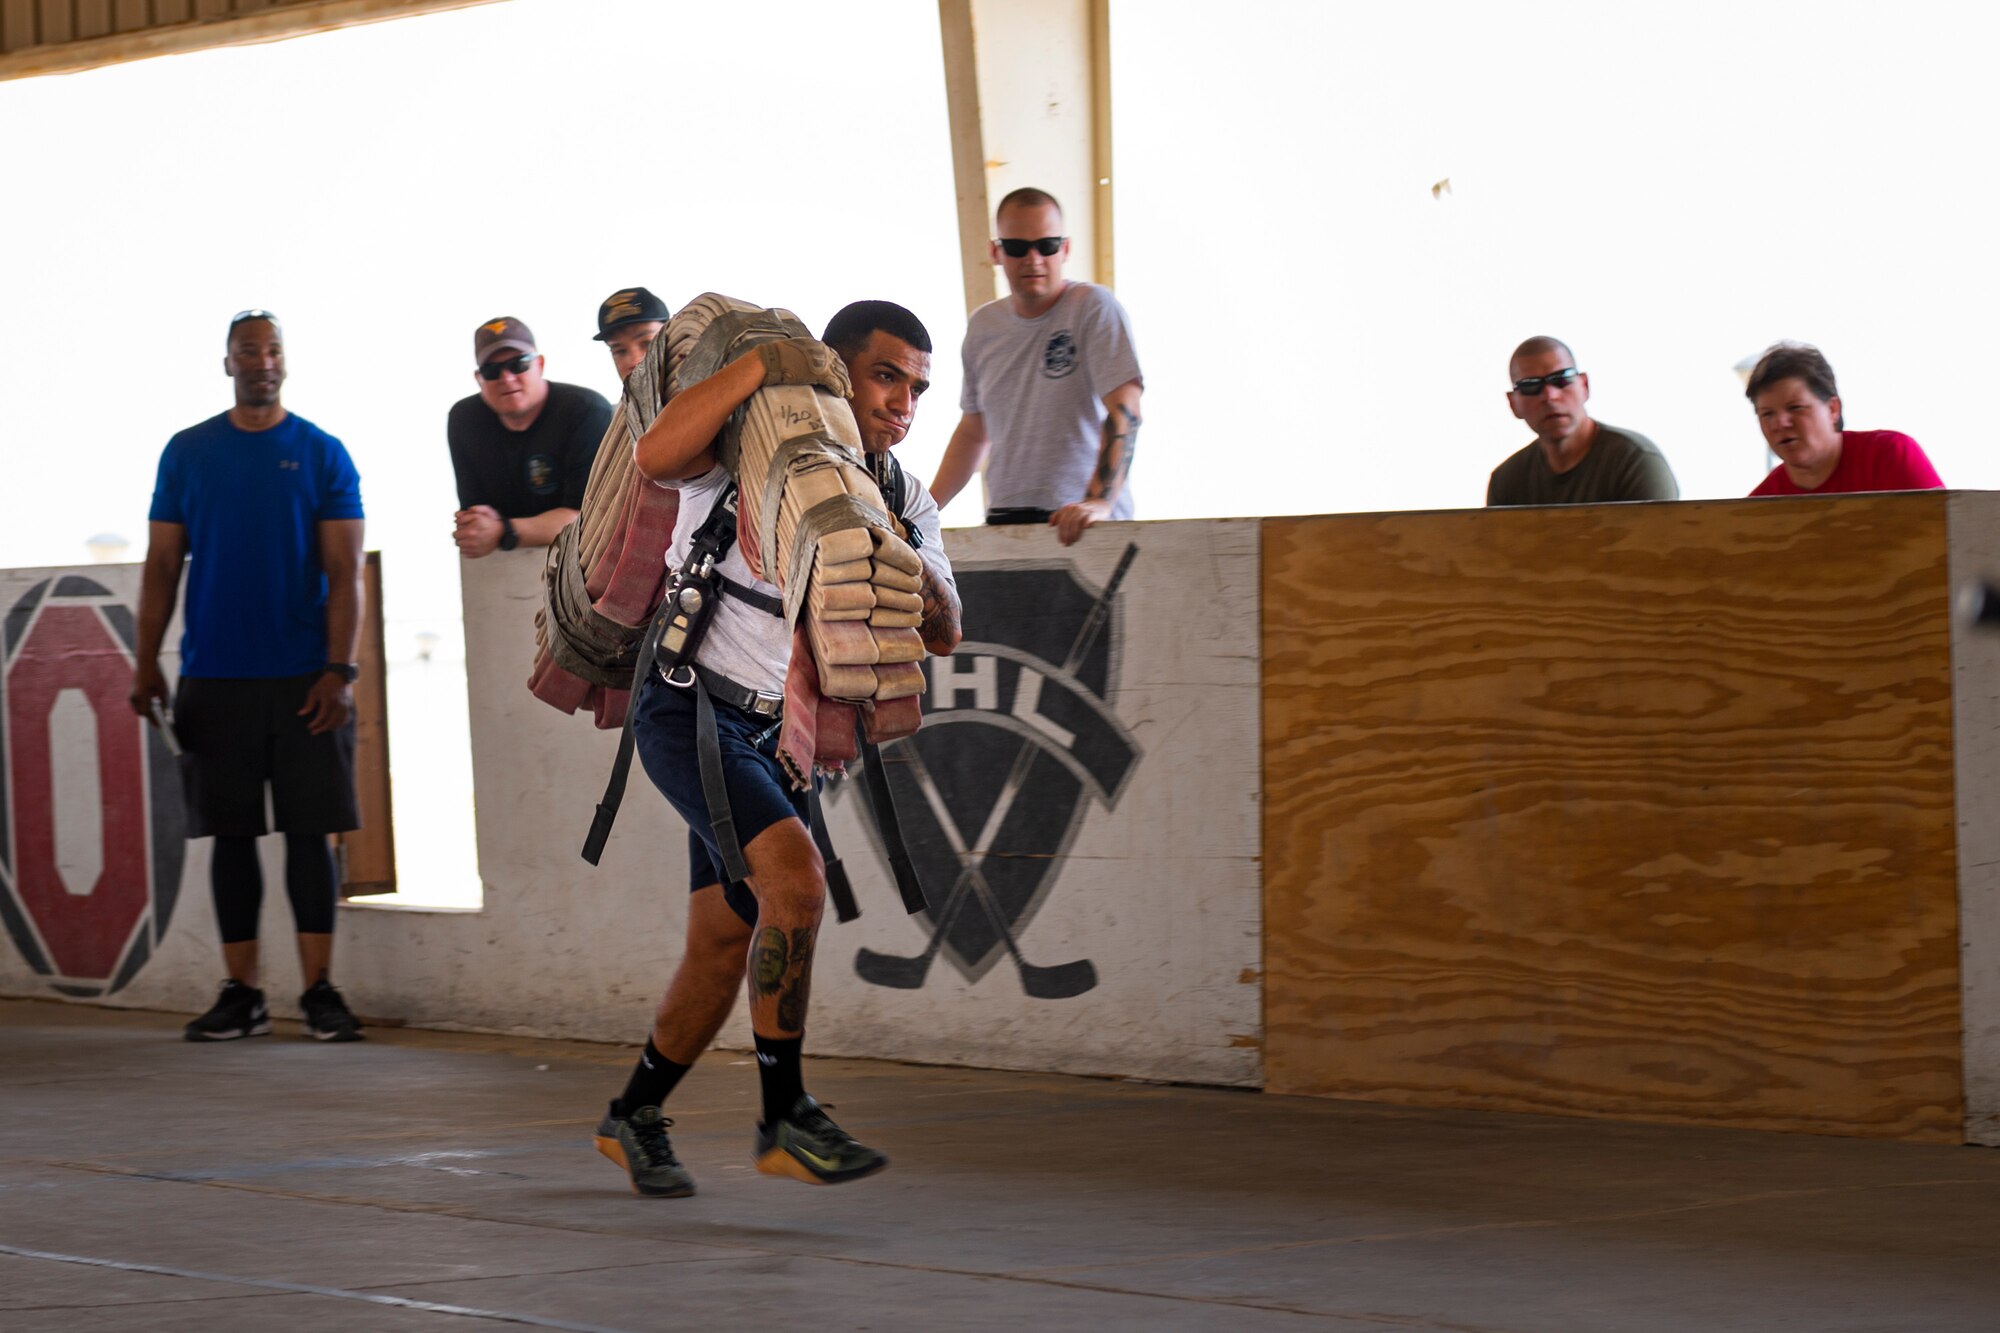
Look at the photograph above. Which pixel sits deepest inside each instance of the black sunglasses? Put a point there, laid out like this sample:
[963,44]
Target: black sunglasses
[493,370]
[1532,386]
[1015,247]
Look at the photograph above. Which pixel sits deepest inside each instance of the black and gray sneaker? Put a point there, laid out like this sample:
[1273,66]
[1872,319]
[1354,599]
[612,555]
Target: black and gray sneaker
[239,1011]
[327,1015]
[808,1146]
[638,1143]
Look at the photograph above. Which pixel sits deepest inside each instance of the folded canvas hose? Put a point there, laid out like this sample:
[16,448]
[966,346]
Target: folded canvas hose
[813,522]
[605,572]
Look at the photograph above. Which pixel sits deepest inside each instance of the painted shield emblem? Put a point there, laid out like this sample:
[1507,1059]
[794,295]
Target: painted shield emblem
[1059,355]
[91,831]
[1019,742]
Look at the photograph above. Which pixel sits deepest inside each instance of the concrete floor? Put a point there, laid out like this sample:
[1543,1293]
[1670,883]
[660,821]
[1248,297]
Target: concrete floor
[429,1180]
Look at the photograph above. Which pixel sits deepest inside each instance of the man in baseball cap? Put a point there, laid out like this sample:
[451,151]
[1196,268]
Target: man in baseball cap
[627,323]
[521,447]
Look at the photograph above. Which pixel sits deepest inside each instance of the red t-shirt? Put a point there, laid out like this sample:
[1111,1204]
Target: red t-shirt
[1870,460]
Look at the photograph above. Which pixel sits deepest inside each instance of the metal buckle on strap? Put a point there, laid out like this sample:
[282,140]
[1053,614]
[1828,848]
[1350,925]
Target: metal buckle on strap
[680,677]
[764,703]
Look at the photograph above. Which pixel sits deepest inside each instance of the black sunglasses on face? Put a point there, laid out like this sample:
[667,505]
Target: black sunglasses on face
[1015,247]
[493,370]
[1532,386]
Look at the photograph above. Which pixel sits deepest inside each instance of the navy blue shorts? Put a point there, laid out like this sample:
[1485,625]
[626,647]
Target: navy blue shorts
[759,794]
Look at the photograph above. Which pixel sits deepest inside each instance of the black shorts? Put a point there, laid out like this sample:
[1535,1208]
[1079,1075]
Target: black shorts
[240,734]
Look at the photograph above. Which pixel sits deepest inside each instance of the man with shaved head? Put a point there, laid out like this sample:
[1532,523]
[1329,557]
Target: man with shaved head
[1573,459]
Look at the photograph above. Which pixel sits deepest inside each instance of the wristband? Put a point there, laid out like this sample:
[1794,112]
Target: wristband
[349,672]
[509,538]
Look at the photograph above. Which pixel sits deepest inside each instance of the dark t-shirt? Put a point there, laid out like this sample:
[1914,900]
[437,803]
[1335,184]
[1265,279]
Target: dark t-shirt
[252,502]
[1621,465]
[522,473]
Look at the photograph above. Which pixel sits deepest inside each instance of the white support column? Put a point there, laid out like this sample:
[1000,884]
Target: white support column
[1028,87]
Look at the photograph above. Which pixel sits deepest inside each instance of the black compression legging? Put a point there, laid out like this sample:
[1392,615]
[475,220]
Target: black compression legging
[238,882]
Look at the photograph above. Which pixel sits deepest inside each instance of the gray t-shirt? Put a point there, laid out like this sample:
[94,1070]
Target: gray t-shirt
[1040,384]
[754,647]
[1621,465]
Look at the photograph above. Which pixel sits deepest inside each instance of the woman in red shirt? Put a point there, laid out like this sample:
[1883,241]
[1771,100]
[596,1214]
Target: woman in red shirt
[1798,407]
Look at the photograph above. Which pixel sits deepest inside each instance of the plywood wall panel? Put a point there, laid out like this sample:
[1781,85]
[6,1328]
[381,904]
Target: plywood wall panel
[17,24]
[1975,670]
[57,21]
[93,18]
[1641,811]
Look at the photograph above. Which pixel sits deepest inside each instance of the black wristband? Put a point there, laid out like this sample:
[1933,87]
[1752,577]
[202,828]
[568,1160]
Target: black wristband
[349,672]
[509,538]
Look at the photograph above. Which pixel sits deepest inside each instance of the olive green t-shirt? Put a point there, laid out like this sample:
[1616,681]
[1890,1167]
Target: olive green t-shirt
[1621,465]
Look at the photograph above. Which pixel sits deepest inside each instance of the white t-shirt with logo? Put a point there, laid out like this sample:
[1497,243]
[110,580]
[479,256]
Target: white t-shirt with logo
[750,646]
[1040,384]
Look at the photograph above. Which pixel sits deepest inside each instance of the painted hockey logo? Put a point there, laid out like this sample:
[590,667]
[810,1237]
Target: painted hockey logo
[91,832]
[1018,741]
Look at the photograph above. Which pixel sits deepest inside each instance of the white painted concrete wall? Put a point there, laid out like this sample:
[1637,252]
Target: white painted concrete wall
[1974,519]
[1159,891]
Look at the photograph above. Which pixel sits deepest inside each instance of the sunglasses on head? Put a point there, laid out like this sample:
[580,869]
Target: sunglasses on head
[493,370]
[1532,386]
[1015,247]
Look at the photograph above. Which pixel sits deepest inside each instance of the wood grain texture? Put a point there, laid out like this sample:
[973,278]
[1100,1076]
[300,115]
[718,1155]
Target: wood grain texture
[18,25]
[1975,713]
[93,18]
[1640,811]
[57,21]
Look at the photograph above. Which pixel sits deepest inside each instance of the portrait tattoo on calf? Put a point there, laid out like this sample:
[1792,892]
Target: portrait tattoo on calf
[769,961]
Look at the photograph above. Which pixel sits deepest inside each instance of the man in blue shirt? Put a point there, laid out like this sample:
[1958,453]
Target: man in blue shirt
[265,509]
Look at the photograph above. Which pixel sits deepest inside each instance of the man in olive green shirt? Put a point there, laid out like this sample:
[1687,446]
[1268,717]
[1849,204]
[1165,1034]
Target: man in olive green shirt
[1572,460]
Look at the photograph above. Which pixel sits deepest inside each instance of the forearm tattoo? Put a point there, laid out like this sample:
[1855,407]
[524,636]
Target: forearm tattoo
[781,965]
[940,613]
[1114,457]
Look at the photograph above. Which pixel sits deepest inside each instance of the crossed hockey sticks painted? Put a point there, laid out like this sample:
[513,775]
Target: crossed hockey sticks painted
[1060,981]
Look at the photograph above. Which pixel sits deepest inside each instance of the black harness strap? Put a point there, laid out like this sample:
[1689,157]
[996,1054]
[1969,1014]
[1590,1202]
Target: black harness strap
[708,746]
[681,627]
[742,592]
[684,627]
[890,825]
[837,887]
[621,767]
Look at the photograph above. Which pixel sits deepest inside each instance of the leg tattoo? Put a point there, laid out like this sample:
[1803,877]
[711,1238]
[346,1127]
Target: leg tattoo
[797,988]
[769,961]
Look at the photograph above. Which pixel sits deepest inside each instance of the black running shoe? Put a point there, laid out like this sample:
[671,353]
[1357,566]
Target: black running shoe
[638,1143]
[238,1012]
[327,1015]
[807,1146]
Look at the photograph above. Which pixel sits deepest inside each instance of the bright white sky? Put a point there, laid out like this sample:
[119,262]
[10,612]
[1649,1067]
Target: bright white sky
[1669,187]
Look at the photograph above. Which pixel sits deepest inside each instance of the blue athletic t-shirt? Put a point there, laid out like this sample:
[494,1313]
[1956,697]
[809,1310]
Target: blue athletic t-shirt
[251,501]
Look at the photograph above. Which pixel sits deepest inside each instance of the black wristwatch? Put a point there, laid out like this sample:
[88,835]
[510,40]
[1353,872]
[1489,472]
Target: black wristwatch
[509,538]
[347,671]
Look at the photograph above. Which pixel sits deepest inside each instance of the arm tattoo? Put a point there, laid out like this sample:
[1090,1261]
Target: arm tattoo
[940,614]
[1114,457]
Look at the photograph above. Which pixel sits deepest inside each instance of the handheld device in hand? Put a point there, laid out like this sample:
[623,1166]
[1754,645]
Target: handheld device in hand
[166,726]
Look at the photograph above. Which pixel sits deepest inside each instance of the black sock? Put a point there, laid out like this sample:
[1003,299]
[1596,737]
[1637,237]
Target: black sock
[653,1077]
[778,1068]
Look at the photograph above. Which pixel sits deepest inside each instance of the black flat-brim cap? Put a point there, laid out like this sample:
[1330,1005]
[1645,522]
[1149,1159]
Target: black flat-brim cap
[630,305]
